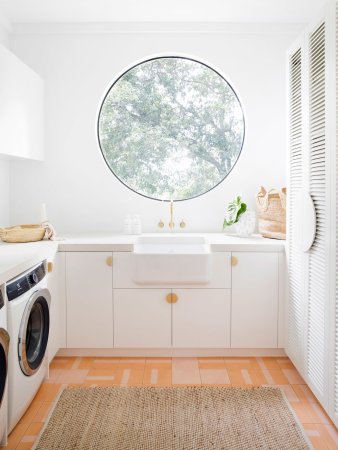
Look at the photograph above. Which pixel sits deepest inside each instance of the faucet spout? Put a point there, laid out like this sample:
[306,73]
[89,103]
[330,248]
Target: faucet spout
[171,223]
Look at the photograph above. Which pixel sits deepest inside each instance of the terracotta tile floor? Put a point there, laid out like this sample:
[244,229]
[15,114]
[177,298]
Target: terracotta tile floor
[176,371]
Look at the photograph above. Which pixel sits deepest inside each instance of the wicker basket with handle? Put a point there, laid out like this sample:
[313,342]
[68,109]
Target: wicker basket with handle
[271,208]
[22,233]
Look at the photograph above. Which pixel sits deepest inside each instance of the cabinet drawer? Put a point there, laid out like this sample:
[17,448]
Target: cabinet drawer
[220,272]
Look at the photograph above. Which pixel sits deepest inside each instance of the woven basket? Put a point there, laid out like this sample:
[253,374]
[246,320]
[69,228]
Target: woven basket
[22,233]
[271,207]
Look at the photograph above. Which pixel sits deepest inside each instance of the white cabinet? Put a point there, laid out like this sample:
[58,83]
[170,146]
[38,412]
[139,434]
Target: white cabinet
[142,318]
[201,318]
[254,317]
[56,286]
[240,305]
[89,292]
[21,108]
[239,308]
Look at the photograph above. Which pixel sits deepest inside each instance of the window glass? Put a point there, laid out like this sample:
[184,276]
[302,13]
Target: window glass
[171,128]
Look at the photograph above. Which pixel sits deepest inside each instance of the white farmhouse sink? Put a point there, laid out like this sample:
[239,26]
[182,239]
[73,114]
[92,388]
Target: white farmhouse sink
[171,260]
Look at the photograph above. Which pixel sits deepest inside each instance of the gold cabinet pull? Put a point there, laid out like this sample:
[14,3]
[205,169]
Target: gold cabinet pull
[49,267]
[234,261]
[109,261]
[172,298]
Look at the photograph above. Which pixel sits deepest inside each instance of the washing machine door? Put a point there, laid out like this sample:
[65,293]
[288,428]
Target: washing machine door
[34,331]
[4,346]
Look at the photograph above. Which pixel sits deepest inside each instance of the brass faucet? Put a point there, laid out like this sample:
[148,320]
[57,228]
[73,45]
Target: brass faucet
[171,223]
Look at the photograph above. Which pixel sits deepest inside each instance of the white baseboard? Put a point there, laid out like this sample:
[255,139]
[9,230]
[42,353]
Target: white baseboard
[170,352]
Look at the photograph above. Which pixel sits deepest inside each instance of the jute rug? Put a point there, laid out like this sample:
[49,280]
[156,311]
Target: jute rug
[177,418]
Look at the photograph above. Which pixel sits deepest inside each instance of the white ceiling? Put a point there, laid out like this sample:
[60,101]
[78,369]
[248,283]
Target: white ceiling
[84,11]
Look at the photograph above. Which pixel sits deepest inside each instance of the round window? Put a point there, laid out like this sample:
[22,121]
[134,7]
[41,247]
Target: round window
[171,128]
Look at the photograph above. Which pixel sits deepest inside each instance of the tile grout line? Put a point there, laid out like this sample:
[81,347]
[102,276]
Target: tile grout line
[317,419]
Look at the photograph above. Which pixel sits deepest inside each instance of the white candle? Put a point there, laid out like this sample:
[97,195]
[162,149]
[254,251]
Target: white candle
[43,213]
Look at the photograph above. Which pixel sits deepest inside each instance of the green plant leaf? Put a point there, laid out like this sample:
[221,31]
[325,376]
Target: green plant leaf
[235,209]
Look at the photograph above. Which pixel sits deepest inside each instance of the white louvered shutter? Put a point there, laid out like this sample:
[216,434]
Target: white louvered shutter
[335,323]
[318,254]
[314,278]
[295,263]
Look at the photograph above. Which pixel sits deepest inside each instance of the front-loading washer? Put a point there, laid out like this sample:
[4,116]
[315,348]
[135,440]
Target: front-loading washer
[4,348]
[28,326]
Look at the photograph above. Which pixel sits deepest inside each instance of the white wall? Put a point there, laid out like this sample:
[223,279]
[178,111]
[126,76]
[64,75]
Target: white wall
[5,29]
[4,165]
[80,192]
[4,193]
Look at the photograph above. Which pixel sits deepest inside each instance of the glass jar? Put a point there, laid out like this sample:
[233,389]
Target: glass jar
[246,224]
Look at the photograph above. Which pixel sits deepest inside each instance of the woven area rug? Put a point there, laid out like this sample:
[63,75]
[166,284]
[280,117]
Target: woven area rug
[173,418]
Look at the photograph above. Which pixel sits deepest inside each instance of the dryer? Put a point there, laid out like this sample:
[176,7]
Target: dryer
[4,347]
[28,326]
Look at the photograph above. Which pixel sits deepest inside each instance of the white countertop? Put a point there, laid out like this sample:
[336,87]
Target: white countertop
[16,258]
[124,243]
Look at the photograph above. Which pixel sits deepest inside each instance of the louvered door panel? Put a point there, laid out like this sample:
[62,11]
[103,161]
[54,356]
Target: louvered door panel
[318,257]
[295,263]
[335,368]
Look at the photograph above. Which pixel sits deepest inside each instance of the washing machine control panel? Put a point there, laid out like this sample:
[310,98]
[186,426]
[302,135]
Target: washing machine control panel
[25,281]
[33,278]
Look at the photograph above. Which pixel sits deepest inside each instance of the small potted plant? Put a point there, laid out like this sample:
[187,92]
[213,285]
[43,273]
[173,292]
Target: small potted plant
[235,209]
[234,215]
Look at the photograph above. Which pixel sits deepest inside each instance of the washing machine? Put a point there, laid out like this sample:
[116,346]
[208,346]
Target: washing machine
[4,348]
[28,310]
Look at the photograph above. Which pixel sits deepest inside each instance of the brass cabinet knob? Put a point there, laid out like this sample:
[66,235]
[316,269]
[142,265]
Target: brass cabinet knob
[160,224]
[183,224]
[234,261]
[109,261]
[49,267]
[172,298]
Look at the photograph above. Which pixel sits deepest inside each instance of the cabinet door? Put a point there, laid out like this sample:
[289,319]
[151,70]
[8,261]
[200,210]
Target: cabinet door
[201,318]
[89,292]
[142,318]
[21,108]
[56,286]
[254,317]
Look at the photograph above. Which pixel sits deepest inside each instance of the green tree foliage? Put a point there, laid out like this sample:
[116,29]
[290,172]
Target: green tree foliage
[171,128]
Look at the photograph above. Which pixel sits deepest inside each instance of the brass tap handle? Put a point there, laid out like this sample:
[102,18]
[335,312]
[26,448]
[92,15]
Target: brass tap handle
[160,224]
[183,224]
